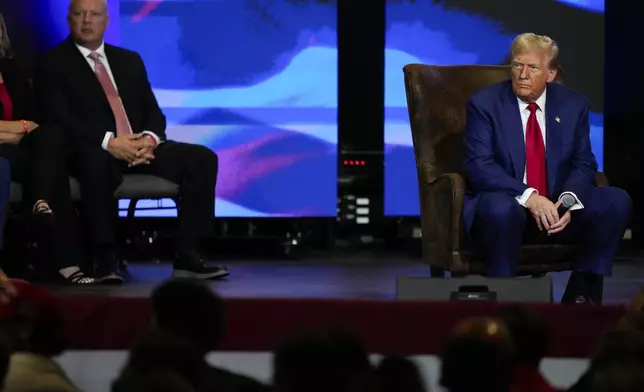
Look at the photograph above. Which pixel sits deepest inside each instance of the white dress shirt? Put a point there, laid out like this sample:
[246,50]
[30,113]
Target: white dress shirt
[541,119]
[101,54]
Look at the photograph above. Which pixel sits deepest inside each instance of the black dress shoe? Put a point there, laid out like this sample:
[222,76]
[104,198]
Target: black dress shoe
[107,271]
[583,286]
[188,265]
[112,278]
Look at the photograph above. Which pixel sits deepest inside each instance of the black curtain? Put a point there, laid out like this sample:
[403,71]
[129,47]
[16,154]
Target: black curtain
[624,102]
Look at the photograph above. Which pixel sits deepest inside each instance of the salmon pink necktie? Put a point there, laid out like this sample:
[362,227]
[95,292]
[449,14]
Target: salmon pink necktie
[535,153]
[120,116]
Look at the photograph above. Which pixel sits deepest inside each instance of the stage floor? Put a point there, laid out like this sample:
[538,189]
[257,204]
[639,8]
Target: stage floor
[367,277]
[356,292]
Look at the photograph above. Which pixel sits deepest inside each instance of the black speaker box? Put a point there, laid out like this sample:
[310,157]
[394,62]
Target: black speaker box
[475,288]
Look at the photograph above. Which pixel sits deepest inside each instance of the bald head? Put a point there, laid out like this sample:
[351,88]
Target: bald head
[81,3]
[87,20]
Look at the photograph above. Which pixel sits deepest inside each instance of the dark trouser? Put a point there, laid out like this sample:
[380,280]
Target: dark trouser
[193,167]
[38,163]
[501,223]
[501,226]
[5,194]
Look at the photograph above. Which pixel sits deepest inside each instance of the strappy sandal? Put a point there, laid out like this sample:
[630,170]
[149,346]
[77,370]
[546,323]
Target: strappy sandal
[43,219]
[42,207]
[78,278]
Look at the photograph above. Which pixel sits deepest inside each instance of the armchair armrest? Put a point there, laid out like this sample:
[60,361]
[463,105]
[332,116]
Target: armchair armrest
[441,204]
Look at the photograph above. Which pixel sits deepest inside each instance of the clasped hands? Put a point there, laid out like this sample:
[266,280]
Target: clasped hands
[545,214]
[136,149]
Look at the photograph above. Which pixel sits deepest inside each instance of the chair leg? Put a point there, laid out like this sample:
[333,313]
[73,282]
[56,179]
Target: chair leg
[436,272]
[131,208]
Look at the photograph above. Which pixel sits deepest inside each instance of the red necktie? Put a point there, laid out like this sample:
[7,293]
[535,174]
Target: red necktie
[7,104]
[535,153]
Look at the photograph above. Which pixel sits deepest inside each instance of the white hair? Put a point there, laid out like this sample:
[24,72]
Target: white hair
[531,42]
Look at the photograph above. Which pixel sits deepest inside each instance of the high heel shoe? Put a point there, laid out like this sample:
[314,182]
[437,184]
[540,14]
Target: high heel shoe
[42,207]
[78,278]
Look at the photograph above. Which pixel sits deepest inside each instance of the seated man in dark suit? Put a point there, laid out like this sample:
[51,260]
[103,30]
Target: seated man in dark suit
[100,95]
[527,146]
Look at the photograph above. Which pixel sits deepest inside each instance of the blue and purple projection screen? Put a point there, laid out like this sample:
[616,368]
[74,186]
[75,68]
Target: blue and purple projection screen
[254,80]
[476,32]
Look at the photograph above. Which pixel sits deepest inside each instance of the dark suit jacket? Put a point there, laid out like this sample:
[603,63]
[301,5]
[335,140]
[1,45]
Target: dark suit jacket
[494,146]
[69,94]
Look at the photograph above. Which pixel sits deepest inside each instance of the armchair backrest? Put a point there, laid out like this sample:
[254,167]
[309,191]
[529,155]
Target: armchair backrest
[436,98]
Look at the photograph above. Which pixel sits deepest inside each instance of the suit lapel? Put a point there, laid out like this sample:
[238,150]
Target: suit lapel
[553,132]
[84,73]
[513,132]
[116,67]
[119,69]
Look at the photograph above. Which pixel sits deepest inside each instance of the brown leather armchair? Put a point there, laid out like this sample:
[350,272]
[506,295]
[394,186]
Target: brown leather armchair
[436,98]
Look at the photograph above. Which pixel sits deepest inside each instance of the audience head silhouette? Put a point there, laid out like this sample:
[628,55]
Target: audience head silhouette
[396,374]
[482,349]
[321,360]
[161,361]
[619,346]
[634,316]
[528,331]
[33,322]
[191,310]
[617,377]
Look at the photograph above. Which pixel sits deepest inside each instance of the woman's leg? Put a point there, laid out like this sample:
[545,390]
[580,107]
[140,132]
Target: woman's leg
[5,194]
[47,191]
[42,157]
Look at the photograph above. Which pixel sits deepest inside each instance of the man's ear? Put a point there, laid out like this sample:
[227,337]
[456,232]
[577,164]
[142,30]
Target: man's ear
[552,74]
